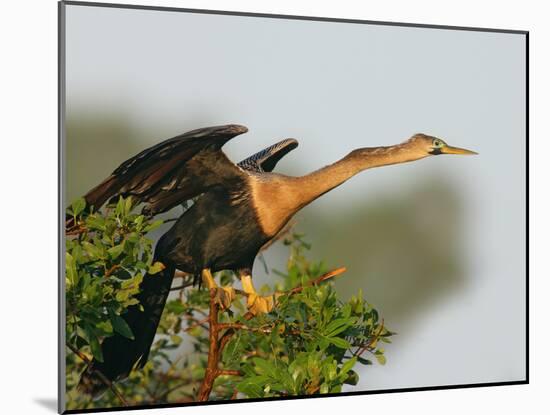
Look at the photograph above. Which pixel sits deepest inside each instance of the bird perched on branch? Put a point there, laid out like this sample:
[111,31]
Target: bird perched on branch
[237,209]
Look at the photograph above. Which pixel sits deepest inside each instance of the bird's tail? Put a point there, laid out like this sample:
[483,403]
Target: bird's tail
[121,354]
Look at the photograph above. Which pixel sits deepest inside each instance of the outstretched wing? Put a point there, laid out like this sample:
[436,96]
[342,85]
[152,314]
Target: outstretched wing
[267,159]
[174,170]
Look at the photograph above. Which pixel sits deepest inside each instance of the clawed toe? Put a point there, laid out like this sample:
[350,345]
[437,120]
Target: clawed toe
[224,296]
[259,304]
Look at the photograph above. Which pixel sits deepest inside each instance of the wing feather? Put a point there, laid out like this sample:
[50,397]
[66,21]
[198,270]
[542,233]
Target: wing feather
[267,159]
[175,170]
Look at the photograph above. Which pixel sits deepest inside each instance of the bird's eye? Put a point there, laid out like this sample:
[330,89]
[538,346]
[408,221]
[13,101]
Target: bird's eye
[438,143]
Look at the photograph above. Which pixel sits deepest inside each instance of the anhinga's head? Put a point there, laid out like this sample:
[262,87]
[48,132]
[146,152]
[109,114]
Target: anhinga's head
[433,146]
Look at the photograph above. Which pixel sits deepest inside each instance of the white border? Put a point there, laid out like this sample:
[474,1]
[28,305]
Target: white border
[28,30]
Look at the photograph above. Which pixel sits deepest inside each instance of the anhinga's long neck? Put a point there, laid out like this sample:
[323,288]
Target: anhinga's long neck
[313,185]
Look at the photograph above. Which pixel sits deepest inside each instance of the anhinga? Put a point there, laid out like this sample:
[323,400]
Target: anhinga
[237,209]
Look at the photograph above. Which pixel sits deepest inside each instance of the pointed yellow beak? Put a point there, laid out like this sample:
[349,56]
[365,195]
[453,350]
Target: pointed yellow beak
[456,150]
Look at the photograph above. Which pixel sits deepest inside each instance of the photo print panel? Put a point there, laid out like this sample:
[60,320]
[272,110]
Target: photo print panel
[262,207]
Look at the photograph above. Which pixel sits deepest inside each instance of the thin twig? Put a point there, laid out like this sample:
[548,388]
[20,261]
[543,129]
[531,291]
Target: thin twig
[317,281]
[176,387]
[182,286]
[181,274]
[99,374]
[75,230]
[228,372]
[198,323]
[111,270]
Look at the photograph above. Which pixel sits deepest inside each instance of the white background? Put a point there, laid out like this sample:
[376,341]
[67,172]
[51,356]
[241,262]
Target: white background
[29,169]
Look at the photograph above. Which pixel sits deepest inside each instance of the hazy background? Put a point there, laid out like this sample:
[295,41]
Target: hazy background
[438,246]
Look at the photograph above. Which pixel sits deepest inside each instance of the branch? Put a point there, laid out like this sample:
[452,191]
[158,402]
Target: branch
[317,281]
[213,350]
[75,230]
[111,270]
[99,374]
[370,344]
[182,286]
[197,324]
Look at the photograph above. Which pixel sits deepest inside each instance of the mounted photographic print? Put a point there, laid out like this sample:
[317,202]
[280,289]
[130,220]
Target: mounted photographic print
[260,207]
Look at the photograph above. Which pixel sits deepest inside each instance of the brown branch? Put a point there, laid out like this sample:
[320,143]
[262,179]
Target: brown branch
[213,350]
[216,345]
[317,281]
[111,270]
[226,337]
[75,230]
[99,374]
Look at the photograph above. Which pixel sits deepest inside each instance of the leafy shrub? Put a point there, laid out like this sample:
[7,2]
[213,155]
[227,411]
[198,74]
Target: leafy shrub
[310,343]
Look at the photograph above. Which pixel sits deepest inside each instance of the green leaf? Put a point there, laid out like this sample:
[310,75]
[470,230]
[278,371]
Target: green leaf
[253,387]
[175,306]
[364,361]
[352,379]
[96,349]
[381,358]
[78,206]
[120,325]
[339,342]
[176,339]
[106,327]
[92,250]
[348,365]
[122,274]
[119,209]
[96,221]
[156,268]
[139,220]
[263,367]
[337,326]
[122,295]
[93,341]
[153,226]
[115,251]
[70,269]
[128,205]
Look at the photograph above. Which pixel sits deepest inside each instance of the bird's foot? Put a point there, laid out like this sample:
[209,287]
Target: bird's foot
[224,296]
[255,302]
[258,304]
